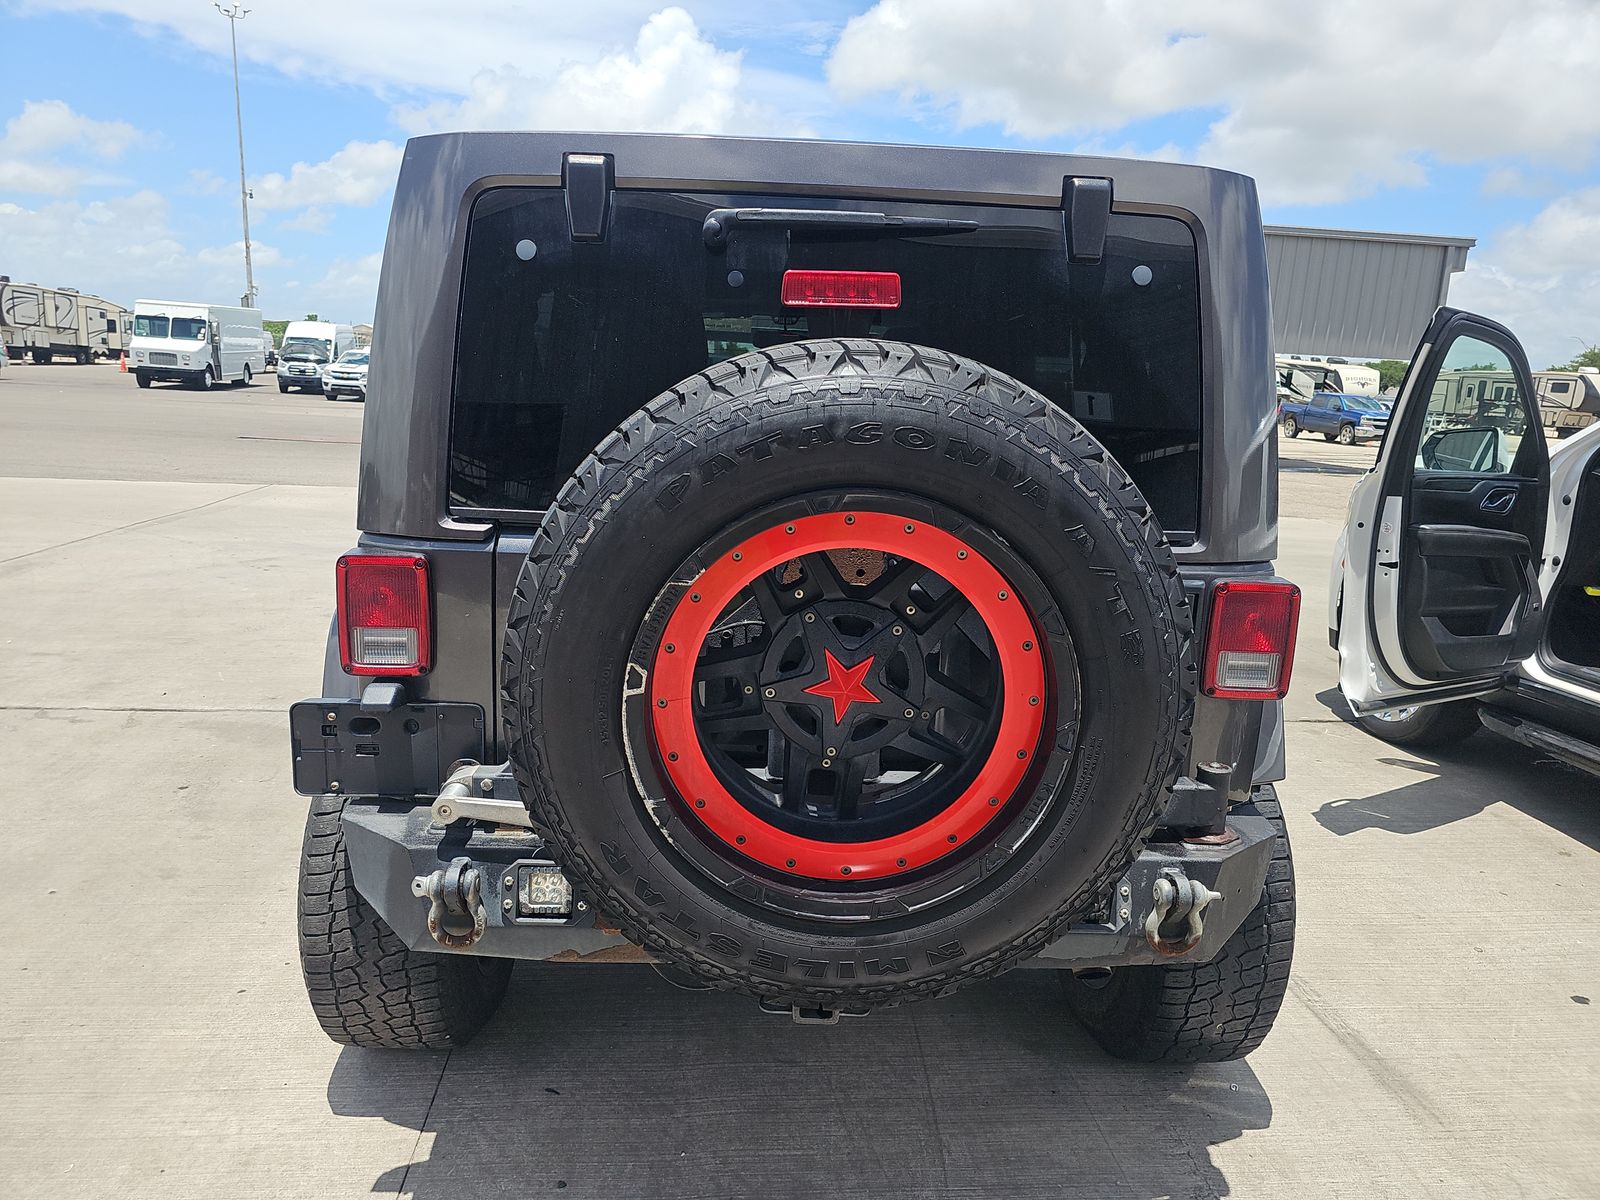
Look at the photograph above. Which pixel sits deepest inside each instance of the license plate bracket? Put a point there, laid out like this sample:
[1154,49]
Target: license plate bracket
[405,751]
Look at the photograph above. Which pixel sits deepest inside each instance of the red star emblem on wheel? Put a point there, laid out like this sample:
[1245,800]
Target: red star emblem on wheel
[843,685]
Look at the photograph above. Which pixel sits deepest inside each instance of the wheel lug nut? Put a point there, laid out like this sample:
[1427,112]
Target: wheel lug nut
[898,630]
[911,610]
[961,553]
[832,751]
[770,693]
[748,689]
[799,593]
[737,557]
[911,528]
[925,716]
[811,617]
[910,712]
[1033,699]
[1003,596]
[827,762]
[849,520]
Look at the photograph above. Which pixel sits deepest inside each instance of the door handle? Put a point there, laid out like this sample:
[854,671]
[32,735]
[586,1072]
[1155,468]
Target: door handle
[1500,500]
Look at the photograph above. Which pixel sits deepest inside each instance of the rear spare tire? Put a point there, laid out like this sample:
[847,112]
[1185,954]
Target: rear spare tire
[847,673]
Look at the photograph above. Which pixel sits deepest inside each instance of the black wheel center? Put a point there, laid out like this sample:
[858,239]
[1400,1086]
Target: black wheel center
[846,698]
[843,678]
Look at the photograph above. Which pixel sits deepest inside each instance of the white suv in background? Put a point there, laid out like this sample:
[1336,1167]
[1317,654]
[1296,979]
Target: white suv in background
[1466,582]
[347,376]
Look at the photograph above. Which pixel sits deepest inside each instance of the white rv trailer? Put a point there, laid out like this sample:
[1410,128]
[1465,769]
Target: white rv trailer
[48,323]
[1331,375]
[201,345]
[1568,400]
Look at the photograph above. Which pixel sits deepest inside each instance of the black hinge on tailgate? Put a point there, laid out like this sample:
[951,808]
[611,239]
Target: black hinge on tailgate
[1087,202]
[589,181]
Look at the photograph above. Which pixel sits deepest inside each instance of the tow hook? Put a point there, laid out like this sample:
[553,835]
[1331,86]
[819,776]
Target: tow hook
[456,917]
[1177,922]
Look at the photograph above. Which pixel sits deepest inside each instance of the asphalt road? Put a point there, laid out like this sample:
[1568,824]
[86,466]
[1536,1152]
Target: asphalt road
[165,580]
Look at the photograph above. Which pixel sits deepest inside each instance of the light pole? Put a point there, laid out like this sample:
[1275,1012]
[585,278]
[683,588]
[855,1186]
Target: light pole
[236,13]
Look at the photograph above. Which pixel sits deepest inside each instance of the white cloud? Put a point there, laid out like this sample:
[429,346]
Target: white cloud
[310,220]
[124,247]
[349,289]
[1343,99]
[47,125]
[230,256]
[1542,278]
[204,182]
[34,139]
[359,174]
[671,79]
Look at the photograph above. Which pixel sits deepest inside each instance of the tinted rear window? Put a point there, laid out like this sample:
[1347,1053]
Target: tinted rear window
[559,341]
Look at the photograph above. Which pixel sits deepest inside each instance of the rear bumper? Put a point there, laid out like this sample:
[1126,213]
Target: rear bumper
[390,844]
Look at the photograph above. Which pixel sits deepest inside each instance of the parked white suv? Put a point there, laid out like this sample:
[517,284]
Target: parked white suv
[348,376]
[1466,583]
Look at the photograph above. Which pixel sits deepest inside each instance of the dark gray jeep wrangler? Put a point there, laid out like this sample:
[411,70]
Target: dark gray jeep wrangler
[835,573]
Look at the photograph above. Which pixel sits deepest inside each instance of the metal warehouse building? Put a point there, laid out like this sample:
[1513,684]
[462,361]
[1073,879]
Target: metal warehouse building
[1355,294]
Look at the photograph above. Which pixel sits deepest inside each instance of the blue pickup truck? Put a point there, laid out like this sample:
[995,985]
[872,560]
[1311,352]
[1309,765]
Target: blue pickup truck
[1337,416]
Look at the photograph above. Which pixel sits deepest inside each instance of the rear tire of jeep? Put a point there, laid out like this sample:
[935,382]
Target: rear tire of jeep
[366,987]
[743,480]
[1202,1012]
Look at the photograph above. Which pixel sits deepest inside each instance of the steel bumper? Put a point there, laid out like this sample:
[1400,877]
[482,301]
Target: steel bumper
[390,845]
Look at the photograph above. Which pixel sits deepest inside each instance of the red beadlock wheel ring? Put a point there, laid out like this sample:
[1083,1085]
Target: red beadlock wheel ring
[1017,651]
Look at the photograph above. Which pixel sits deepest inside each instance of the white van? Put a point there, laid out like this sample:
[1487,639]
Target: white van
[201,345]
[307,347]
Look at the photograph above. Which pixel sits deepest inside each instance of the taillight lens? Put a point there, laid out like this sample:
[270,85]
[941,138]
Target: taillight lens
[841,289]
[1250,641]
[384,614]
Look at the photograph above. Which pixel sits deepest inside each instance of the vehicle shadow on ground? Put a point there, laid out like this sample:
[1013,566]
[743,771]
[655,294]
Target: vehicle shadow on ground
[1305,466]
[608,1082]
[1457,782]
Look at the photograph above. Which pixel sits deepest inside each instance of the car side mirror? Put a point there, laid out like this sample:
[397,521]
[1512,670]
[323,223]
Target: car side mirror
[1474,449]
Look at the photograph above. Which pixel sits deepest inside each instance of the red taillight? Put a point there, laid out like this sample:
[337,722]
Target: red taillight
[841,289]
[384,614]
[1250,642]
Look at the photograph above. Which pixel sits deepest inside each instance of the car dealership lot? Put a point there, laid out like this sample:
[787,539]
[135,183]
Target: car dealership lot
[165,571]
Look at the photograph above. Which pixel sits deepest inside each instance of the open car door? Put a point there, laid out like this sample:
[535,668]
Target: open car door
[1446,535]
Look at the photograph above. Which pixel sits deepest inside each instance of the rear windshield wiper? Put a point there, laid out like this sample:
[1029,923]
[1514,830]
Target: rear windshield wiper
[720,222]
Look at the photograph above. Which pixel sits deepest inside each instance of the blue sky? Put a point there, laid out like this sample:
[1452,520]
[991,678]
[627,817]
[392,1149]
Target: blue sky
[118,168]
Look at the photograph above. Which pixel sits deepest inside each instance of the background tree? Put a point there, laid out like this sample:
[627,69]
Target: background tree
[1390,372]
[1589,358]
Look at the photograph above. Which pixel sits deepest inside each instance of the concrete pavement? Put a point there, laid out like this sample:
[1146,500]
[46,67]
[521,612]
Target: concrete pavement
[166,578]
